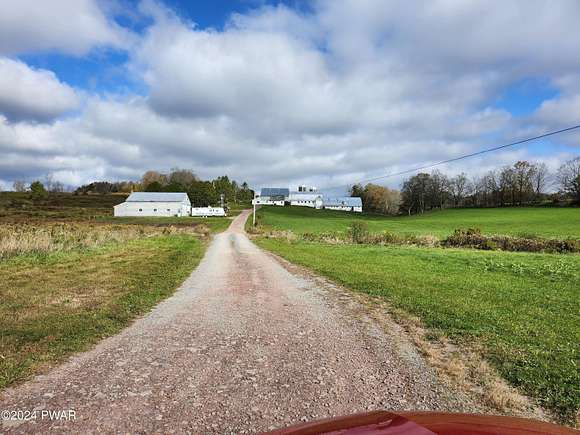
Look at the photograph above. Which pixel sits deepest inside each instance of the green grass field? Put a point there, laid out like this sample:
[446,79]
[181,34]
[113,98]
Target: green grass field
[520,310]
[53,305]
[546,222]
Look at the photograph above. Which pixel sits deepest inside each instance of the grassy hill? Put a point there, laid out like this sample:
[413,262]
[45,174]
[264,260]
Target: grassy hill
[547,222]
[17,206]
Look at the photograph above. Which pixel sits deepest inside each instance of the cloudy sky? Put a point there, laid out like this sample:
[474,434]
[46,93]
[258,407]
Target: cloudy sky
[324,92]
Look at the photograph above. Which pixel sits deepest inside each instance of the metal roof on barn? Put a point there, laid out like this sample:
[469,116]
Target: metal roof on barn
[343,201]
[158,197]
[296,196]
[275,191]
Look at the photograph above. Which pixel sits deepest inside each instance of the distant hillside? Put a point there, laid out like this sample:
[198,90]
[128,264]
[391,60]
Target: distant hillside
[17,206]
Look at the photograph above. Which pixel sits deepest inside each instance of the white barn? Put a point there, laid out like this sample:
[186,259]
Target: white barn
[313,200]
[272,196]
[345,203]
[154,204]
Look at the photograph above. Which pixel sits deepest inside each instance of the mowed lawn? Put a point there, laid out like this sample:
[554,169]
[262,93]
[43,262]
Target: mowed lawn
[520,310]
[55,304]
[526,221]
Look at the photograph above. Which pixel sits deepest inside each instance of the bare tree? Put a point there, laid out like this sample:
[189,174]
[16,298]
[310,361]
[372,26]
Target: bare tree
[569,178]
[507,187]
[19,186]
[539,177]
[438,189]
[458,187]
[490,188]
[523,178]
[53,186]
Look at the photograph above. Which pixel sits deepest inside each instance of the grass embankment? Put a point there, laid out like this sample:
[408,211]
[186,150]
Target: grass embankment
[546,222]
[55,304]
[213,224]
[520,311]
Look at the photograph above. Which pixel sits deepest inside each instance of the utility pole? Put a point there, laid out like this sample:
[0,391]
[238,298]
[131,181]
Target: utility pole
[254,218]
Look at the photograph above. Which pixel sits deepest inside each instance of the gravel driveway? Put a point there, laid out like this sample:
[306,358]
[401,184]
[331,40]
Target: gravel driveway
[243,346]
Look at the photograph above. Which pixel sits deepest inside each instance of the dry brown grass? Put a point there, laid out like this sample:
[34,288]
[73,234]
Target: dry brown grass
[464,366]
[63,302]
[56,237]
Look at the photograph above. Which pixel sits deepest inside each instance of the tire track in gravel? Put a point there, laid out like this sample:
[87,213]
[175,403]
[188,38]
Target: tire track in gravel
[243,346]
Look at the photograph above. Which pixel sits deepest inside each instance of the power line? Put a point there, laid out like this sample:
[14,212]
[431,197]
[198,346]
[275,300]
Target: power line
[454,159]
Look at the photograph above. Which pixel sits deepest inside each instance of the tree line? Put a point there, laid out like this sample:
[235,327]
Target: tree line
[201,192]
[523,183]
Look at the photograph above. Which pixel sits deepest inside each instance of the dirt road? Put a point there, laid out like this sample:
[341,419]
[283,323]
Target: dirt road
[243,346]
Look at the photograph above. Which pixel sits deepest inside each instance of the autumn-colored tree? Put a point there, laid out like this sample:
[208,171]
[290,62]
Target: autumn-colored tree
[183,177]
[152,176]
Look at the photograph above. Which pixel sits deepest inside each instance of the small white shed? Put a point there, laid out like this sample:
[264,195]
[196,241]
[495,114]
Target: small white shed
[154,204]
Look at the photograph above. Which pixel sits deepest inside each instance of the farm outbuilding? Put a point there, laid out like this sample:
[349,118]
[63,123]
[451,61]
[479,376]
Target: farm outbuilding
[272,196]
[313,200]
[154,204]
[207,211]
[344,203]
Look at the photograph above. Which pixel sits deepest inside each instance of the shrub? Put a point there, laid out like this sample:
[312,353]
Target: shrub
[472,238]
[358,232]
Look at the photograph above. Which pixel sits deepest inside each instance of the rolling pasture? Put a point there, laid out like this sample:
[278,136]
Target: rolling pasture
[518,310]
[538,221]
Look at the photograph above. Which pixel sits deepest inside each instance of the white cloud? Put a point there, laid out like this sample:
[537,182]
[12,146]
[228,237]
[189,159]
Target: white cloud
[69,26]
[353,90]
[519,35]
[32,94]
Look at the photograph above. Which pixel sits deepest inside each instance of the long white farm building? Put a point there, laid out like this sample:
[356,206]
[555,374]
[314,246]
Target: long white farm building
[345,203]
[154,204]
[306,197]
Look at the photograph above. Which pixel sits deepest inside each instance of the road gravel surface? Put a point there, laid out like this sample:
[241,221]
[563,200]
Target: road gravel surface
[245,345]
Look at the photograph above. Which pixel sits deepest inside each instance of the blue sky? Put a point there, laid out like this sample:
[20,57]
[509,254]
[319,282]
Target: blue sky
[525,96]
[102,70]
[343,89]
